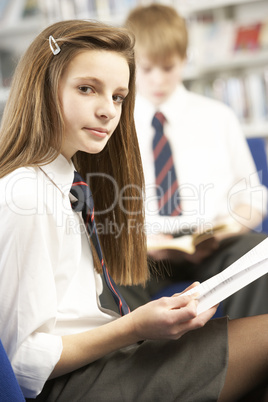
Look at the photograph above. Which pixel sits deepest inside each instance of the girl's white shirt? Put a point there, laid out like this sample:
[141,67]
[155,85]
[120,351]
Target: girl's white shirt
[48,285]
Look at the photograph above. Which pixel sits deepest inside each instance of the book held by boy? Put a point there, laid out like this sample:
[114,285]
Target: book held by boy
[187,243]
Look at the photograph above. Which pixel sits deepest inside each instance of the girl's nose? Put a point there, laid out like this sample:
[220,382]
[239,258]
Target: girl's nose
[106,109]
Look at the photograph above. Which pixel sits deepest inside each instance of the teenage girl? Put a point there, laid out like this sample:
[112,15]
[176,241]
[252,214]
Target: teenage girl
[70,110]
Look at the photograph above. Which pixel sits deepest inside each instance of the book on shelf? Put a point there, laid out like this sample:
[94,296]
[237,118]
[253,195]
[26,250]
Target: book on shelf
[247,37]
[187,243]
[264,34]
[257,95]
[237,98]
[13,13]
[30,9]
[3,8]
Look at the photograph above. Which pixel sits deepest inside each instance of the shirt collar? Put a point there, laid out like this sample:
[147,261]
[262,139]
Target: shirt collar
[144,108]
[61,173]
[175,104]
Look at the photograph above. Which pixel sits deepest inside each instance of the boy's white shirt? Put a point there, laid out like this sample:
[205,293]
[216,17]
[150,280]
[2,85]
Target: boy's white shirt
[214,165]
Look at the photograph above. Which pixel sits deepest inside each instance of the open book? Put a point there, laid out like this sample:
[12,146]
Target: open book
[247,269]
[187,243]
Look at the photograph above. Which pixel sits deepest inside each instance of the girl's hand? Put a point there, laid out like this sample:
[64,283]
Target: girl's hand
[166,318]
[169,317]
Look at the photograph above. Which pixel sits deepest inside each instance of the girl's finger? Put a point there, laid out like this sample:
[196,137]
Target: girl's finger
[182,301]
[184,316]
[193,285]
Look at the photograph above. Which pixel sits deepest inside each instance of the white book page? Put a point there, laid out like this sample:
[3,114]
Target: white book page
[247,269]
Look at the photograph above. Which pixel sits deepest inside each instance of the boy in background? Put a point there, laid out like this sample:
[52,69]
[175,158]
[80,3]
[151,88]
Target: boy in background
[209,168]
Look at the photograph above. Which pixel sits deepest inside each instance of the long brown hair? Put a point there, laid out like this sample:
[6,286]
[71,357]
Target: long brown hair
[32,133]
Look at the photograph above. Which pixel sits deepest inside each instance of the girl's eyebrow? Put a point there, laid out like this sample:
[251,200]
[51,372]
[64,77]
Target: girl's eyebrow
[94,79]
[99,82]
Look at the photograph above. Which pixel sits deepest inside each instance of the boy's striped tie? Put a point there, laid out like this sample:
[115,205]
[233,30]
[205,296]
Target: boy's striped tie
[165,174]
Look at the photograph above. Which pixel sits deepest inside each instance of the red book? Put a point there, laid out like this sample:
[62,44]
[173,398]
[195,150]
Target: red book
[248,37]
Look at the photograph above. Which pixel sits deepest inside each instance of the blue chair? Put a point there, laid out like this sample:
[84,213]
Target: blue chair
[9,388]
[257,147]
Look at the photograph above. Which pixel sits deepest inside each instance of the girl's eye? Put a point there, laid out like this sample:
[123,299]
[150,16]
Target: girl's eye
[118,98]
[85,89]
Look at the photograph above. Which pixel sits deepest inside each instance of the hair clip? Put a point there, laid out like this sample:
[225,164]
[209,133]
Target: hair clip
[53,45]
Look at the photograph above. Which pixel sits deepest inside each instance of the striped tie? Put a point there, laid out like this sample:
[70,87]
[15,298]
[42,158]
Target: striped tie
[165,174]
[85,204]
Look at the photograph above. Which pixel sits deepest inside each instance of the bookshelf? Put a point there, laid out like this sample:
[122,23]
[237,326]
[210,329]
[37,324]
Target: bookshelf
[20,21]
[215,68]
[239,61]
[228,57]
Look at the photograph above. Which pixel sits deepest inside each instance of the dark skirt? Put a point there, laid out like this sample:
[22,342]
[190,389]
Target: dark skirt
[191,369]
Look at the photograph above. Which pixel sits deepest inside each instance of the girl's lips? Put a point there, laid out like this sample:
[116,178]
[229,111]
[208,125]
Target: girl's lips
[97,131]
